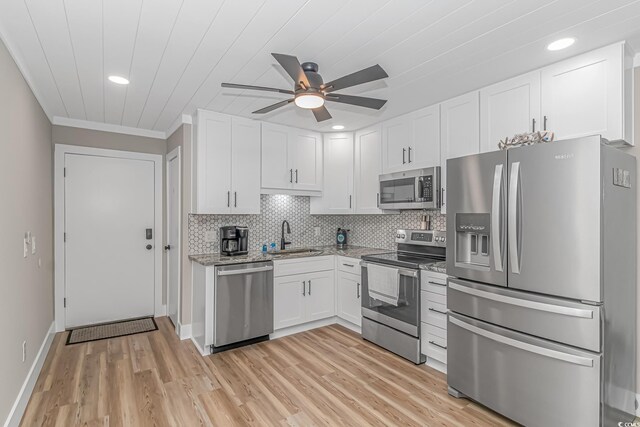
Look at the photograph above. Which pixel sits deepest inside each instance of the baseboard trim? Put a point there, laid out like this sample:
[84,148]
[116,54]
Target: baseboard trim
[304,327]
[183,331]
[20,405]
[342,322]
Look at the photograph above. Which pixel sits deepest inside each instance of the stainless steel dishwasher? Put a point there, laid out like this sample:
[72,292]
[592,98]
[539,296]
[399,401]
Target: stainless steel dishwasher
[243,305]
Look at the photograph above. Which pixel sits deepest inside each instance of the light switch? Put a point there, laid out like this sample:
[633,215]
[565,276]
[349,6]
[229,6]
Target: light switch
[210,236]
[316,231]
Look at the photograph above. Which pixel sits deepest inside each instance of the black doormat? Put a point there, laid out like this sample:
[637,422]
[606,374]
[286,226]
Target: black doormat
[111,330]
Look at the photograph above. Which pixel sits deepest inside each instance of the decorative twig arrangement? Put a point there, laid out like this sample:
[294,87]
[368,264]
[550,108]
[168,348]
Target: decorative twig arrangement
[526,139]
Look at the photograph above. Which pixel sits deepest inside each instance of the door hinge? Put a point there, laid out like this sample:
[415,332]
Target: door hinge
[65,303]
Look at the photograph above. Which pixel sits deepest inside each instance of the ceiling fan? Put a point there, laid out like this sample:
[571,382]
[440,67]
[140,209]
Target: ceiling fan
[310,92]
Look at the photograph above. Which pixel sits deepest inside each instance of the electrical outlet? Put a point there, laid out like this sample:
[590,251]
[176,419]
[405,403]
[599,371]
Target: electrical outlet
[33,245]
[210,236]
[24,351]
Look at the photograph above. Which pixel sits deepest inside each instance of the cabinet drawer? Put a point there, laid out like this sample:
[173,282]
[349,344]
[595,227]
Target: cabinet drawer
[349,265]
[433,282]
[287,267]
[437,298]
[433,313]
[433,346]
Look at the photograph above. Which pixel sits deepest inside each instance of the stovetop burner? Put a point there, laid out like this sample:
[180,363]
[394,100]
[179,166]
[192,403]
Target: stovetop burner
[415,248]
[402,259]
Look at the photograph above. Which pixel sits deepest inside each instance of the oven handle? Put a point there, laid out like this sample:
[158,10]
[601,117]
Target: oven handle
[401,271]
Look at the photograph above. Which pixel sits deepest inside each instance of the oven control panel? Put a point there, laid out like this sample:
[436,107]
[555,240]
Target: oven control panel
[422,237]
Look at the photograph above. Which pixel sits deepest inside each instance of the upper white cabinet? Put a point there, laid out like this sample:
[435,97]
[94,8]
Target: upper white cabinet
[225,148]
[509,108]
[460,131]
[411,141]
[367,170]
[590,94]
[291,160]
[338,195]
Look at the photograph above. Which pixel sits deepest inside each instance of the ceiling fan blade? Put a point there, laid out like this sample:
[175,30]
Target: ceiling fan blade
[360,101]
[292,66]
[321,114]
[370,74]
[267,89]
[273,106]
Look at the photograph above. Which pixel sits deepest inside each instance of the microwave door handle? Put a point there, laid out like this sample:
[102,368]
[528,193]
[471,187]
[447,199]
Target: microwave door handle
[417,189]
[513,218]
[495,218]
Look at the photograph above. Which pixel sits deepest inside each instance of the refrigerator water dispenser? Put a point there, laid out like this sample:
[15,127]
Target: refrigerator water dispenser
[472,239]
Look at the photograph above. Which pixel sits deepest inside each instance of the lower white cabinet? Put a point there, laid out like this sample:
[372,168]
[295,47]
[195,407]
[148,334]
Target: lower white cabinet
[433,329]
[302,297]
[349,288]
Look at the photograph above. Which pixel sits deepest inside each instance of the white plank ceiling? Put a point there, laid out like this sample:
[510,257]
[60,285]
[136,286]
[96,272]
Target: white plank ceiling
[177,52]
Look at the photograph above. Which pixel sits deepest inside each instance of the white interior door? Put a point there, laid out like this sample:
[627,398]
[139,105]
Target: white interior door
[109,270]
[173,238]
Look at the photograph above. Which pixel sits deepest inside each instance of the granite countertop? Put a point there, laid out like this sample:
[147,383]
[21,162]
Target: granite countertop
[256,256]
[438,267]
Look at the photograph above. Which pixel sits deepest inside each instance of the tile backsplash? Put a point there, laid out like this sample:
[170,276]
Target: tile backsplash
[375,231]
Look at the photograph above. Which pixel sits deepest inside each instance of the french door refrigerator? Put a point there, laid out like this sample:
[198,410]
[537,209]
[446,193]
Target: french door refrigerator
[542,295]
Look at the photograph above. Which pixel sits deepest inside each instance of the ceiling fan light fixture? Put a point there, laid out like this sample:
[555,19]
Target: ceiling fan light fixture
[309,101]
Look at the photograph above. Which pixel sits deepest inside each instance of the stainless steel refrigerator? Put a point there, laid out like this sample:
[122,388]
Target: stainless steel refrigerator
[542,295]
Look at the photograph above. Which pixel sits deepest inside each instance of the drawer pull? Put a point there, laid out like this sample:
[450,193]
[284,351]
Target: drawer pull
[437,311]
[348,265]
[439,284]
[438,345]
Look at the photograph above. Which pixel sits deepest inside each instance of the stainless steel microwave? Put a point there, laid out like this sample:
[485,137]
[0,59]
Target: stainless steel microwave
[415,189]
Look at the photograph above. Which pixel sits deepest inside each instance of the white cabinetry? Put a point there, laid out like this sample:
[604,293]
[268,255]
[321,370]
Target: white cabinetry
[225,148]
[367,170]
[433,329]
[590,94]
[338,195]
[349,288]
[291,160]
[303,291]
[509,108]
[411,141]
[460,132]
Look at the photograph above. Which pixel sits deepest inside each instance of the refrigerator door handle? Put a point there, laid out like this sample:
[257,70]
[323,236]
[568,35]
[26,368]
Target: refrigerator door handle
[547,352]
[513,218]
[495,218]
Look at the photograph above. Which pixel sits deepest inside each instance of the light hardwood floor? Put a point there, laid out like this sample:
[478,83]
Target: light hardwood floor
[327,376]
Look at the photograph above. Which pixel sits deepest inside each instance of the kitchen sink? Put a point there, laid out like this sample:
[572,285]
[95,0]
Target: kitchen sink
[299,251]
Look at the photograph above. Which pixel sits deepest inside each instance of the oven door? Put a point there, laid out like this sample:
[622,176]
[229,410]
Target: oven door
[404,317]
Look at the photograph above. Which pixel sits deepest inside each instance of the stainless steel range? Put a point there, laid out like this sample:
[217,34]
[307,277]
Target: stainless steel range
[391,291]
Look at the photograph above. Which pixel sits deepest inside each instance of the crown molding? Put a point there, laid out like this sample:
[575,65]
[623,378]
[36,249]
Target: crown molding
[107,127]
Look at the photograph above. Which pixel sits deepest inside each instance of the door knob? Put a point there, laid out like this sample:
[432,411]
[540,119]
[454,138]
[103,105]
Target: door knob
[166,248]
[149,247]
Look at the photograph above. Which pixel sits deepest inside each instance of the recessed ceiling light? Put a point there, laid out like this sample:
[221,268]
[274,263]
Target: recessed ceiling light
[119,80]
[337,127]
[561,44]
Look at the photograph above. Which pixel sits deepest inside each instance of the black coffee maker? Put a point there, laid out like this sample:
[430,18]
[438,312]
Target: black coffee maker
[234,240]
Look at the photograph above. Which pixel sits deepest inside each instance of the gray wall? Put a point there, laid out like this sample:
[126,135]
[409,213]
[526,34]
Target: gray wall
[26,188]
[182,138]
[122,142]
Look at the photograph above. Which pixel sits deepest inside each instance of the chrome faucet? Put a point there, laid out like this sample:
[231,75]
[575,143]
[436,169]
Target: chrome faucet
[284,243]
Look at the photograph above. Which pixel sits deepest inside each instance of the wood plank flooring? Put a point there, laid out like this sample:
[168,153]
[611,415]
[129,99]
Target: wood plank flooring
[327,376]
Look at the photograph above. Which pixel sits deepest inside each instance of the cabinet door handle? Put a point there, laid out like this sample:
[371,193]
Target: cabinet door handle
[304,289]
[443,199]
[438,345]
[309,287]
[533,125]
[436,283]
[544,123]
[296,176]
[404,150]
[349,201]
[378,199]
[358,290]
[235,199]
[437,311]
[409,154]
[228,198]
